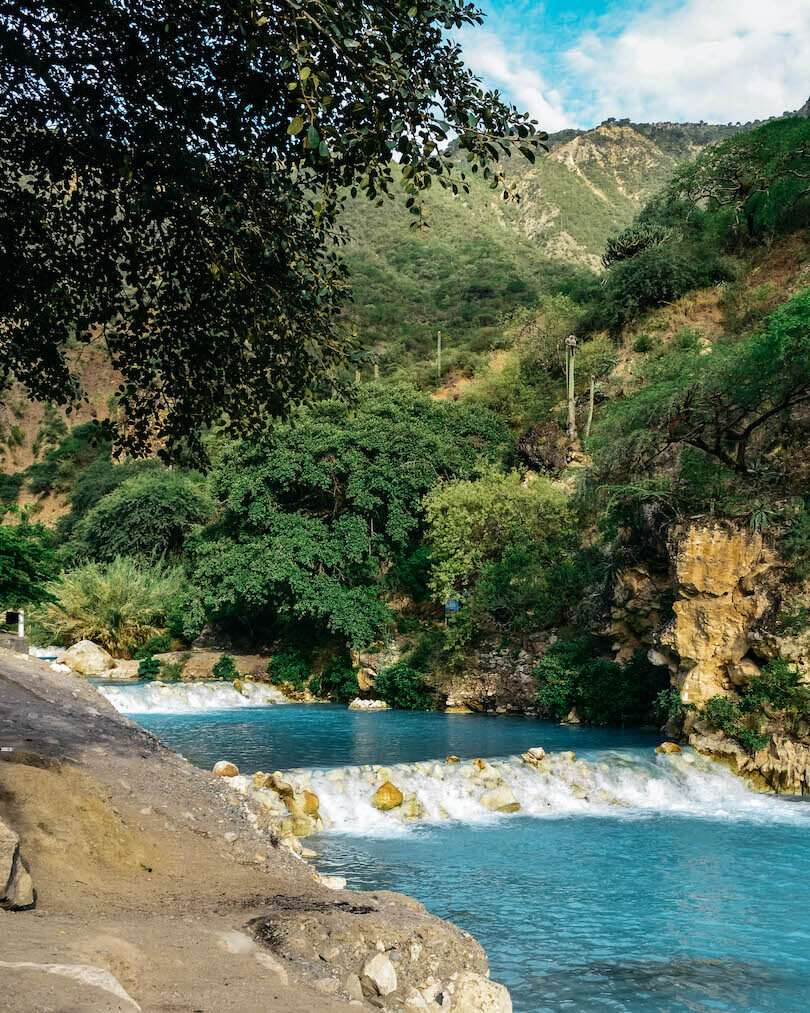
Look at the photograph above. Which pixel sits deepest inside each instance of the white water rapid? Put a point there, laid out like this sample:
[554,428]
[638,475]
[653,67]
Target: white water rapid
[609,784]
[189,697]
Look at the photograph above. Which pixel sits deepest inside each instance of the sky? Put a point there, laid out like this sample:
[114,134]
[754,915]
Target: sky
[573,63]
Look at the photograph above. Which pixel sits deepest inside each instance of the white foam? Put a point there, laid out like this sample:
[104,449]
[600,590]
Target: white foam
[616,784]
[189,697]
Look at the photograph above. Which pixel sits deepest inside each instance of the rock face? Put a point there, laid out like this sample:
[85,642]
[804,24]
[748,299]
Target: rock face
[783,766]
[86,658]
[473,993]
[637,611]
[371,663]
[720,580]
[16,885]
[495,680]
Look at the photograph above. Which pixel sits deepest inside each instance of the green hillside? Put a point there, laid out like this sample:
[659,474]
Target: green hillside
[481,258]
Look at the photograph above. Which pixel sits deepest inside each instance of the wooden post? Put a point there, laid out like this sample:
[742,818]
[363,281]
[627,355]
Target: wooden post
[439,354]
[570,347]
[590,412]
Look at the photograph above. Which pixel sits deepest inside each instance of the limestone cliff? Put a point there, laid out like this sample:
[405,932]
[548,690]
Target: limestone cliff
[725,581]
[712,620]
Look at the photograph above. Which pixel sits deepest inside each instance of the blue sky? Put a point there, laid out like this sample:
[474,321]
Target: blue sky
[578,62]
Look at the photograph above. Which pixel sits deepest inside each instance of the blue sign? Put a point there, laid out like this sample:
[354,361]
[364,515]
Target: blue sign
[451,606]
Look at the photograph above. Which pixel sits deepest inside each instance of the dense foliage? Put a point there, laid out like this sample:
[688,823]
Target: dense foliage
[403,687]
[148,515]
[574,675]
[728,401]
[118,605]
[26,567]
[172,176]
[313,517]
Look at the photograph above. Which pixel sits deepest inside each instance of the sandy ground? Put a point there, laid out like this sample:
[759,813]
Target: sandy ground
[155,873]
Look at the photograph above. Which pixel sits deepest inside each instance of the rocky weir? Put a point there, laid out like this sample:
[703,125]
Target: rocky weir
[377,798]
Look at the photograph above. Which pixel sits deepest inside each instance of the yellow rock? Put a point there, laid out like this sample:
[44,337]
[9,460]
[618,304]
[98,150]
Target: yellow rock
[225,769]
[311,802]
[386,797]
[452,759]
[261,780]
[279,785]
[668,747]
[479,764]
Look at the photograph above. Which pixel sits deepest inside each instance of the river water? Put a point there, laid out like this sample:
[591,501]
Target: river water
[628,881]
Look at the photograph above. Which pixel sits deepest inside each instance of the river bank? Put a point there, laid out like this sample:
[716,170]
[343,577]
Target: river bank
[155,876]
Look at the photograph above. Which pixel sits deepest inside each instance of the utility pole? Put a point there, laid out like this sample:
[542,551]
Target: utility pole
[439,354]
[570,349]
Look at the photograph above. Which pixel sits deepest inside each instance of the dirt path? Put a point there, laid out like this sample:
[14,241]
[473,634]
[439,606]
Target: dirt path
[153,873]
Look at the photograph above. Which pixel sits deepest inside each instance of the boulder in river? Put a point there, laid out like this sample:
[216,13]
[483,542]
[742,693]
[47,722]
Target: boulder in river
[386,797]
[668,747]
[225,768]
[86,658]
[500,800]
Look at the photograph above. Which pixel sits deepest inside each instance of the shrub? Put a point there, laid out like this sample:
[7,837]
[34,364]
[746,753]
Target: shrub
[403,687]
[225,668]
[670,707]
[338,681]
[149,668]
[10,487]
[288,668]
[643,343]
[171,671]
[148,515]
[776,688]
[118,605]
[161,643]
[572,675]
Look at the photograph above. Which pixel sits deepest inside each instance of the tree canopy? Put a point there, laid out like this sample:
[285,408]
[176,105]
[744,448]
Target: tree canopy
[26,566]
[315,516]
[718,399]
[172,175]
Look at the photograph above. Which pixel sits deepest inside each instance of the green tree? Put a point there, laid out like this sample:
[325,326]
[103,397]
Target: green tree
[172,178]
[314,516]
[26,567]
[148,515]
[758,177]
[722,400]
[472,522]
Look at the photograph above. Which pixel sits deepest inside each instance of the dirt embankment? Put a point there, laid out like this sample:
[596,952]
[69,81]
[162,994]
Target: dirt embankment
[159,889]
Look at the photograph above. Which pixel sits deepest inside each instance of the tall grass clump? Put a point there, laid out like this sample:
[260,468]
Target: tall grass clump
[118,605]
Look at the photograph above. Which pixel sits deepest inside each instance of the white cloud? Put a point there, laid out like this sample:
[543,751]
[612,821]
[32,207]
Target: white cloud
[487,56]
[715,60]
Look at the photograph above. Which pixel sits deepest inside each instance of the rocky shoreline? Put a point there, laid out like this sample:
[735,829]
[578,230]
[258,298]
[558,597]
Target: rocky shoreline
[157,882]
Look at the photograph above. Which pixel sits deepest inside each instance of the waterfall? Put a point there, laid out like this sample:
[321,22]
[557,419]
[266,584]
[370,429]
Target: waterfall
[189,697]
[620,784]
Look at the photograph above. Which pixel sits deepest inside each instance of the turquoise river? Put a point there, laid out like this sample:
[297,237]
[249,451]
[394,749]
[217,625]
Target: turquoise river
[662,884]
